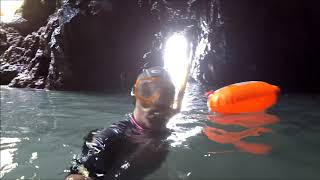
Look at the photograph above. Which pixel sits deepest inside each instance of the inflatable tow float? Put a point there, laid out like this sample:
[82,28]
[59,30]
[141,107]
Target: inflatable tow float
[245,97]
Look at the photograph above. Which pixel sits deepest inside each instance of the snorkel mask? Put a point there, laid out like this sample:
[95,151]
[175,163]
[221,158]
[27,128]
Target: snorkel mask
[154,87]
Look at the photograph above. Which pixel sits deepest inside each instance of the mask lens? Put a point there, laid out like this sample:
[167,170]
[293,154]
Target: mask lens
[153,91]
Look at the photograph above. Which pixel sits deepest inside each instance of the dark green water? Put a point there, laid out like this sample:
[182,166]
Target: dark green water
[42,130]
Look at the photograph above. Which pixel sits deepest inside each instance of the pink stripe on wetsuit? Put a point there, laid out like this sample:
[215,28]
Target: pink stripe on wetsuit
[134,122]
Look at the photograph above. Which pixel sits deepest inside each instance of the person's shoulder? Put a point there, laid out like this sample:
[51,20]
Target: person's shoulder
[116,129]
[98,139]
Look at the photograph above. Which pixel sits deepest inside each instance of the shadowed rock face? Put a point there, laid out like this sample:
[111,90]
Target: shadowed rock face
[11,67]
[26,60]
[275,41]
[90,44]
[93,42]
[102,44]
[34,14]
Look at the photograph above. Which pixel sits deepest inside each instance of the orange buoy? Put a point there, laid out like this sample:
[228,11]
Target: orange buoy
[245,97]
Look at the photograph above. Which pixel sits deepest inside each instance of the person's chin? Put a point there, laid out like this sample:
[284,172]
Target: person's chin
[154,118]
[158,127]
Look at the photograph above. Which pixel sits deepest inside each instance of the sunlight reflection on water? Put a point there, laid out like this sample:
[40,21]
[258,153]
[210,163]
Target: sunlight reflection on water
[7,152]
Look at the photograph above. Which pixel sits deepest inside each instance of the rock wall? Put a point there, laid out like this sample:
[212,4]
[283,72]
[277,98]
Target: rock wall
[34,14]
[101,44]
[9,37]
[275,41]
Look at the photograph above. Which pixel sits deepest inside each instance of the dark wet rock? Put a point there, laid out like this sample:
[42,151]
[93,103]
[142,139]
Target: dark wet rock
[8,37]
[21,25]
[23,62]
[33,14]
[94,42]
[102,44]
[38,11]
[8,68]
[35,59]
[201,22]
[7,73]
[90,44]
[85,45]
[274,41]
[3,41]
[211,42]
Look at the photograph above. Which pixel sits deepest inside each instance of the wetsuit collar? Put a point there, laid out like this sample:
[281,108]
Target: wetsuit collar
[134,122]
[146,130]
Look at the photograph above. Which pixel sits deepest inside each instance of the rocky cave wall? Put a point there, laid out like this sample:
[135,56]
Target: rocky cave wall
[102,44]
[92,44]
[275,41]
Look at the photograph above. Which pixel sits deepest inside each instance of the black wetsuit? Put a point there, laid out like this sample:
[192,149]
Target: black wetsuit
[122,151]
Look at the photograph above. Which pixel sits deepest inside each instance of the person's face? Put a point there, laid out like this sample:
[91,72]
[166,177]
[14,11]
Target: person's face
[156,107]
[156,116]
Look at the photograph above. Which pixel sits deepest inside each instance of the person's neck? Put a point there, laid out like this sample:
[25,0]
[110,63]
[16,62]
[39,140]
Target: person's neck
[140,119]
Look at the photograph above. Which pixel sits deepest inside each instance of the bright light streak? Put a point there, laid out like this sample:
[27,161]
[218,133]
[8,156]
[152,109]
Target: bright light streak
[8,9]
[176,59]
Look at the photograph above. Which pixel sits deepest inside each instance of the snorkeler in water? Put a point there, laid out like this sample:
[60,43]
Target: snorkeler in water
[136,147]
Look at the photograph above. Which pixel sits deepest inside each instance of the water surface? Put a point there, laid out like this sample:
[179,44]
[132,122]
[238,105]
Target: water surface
[41,131]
